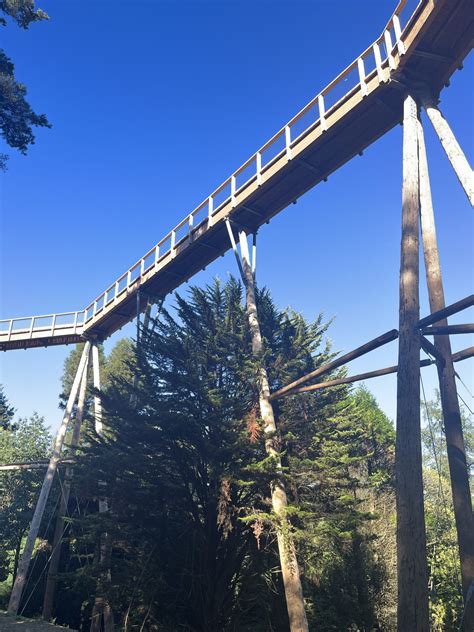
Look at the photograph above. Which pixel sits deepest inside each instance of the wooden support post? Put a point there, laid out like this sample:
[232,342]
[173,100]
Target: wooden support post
[102,614]
[451,147]
[412,572]
[286,548]
[52,579]
[19,584]
[458,469]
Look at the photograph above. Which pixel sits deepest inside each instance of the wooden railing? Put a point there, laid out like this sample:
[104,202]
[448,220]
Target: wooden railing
[376,61]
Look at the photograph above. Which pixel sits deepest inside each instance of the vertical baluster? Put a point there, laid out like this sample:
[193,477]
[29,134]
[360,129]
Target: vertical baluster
[32,326]
[232,190]
[210,210]
[53,324]
[173,244]
[157,254]
[389,46]
[288,141]
[322,113]
[190,227]
[378,61]
[398,35]
[258,166]
[361,68]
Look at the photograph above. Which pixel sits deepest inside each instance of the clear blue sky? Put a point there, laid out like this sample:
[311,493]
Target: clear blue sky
[154,104]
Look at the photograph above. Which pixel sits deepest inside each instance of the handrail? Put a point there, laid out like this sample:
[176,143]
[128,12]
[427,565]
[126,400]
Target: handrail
[381,53]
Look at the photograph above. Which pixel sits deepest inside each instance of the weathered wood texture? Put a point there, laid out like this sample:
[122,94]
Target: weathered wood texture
[19,584]
[389,336]
[461,355]
[102,617]
[412,572]
[459,473]
[452,148]
[286,548]
[52,577]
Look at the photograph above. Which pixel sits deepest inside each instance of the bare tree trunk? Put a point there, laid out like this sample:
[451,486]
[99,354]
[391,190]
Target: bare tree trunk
[286,548]
[411,538]
[449,398]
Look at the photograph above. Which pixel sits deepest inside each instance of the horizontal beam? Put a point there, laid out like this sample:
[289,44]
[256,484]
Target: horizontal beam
[448,329]
[464,303]
[456,357]
[327,368]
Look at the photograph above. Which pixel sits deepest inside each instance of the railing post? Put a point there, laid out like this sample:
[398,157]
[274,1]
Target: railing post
[210,210]
[389,47]
[157,255]
[190,227]
[322,112]
[398,35]
[378,62]
[288,142]
[258,166]
[361,69]
[232,190]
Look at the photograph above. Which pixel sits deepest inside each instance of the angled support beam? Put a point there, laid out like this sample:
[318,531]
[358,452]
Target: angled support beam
[429,348]
[412,569]
[52,578]
[452,148]
[456,357]
[327,368]
[459,473]
[20,580]
[441,314]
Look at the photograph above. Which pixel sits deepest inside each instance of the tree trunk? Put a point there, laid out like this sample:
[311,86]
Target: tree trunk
[449,398]
[411,537]
[286,547]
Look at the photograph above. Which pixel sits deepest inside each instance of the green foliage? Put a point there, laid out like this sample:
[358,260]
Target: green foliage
[16,115]
[188,478]
[27,440]
[446,603]
[7,412]
[23,12]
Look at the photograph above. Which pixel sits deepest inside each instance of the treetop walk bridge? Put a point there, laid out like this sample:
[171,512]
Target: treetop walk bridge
[403,70]
[364,101]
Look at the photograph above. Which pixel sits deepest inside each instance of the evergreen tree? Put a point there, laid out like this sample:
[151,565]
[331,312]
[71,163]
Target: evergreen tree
[7,412]
[28,440]
[187,477]
[16,115]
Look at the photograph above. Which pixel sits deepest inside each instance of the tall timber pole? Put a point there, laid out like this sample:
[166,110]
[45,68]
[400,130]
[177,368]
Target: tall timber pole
[20,580]
[459,473]
[451,146]
[412,572]
[286,548]
[52,579]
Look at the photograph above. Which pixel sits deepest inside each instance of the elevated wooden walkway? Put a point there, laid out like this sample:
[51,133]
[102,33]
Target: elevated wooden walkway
[419,50]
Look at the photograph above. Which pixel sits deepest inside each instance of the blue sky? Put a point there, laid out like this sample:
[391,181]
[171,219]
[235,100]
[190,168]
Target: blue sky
[153,105]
